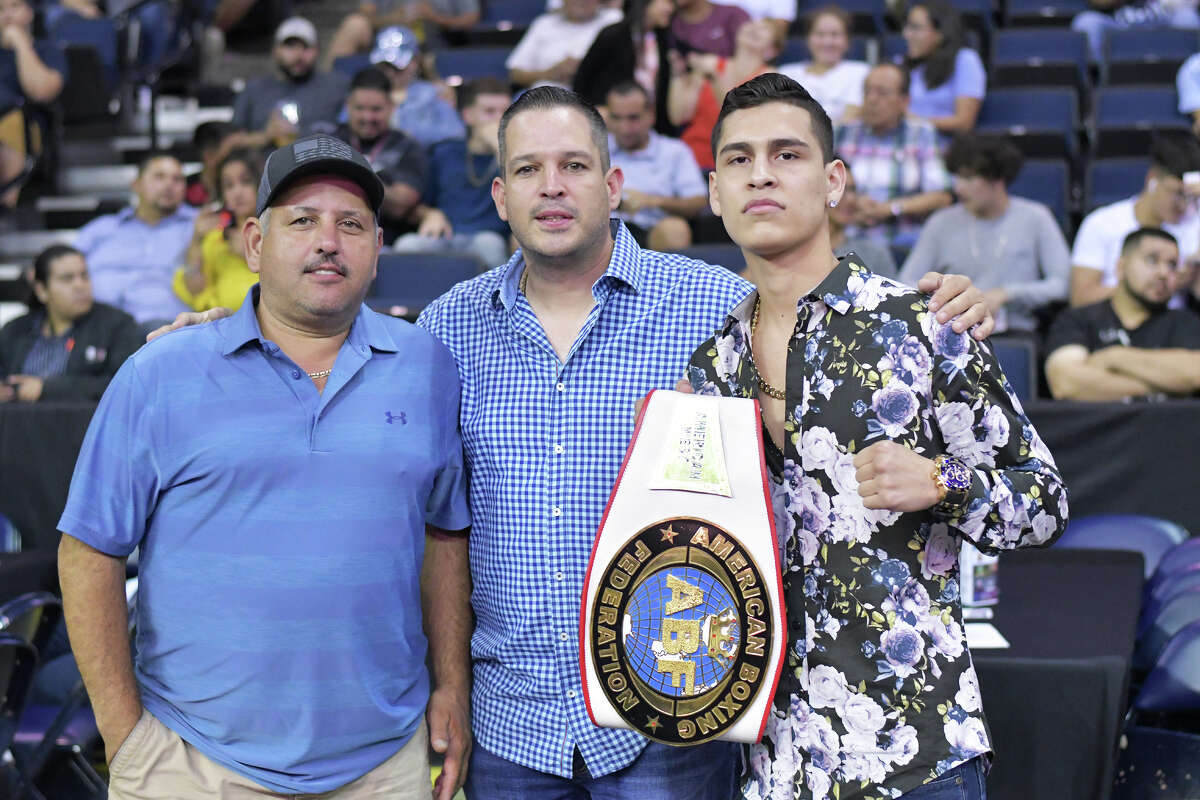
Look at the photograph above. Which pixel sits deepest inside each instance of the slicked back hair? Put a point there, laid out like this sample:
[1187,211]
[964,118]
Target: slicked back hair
[772,87]
[547,98]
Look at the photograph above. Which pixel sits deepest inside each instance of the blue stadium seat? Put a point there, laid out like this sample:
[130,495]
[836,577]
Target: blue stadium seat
[1146,55]
[723,255]
[463,64]
[1018,358]
[504,22]
[795,49]
[100,34]
[350,65]
[1040,57]
[977,19]
[413,280]
[1111,179]
[1150,536]
[1041,13]
[1126,117]
[1047,181]
[1042,122]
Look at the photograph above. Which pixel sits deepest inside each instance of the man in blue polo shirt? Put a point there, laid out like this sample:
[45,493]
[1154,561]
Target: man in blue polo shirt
[277,469]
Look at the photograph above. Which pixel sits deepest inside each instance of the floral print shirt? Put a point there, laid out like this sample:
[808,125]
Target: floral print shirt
[878,694]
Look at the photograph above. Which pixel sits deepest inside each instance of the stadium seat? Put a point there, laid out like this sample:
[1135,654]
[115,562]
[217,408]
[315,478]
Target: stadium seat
[1146,55]
[1042,122]
[1160,591]
[1041,13]
[862,48]
[1150,536]
[977,20]
[504,22]
[100,34]
[1181,557]
[1175,614]
[1126,117]
[18,661]
[867,16]
[724,255]
[413,280]
[463,64]
[1040,57]
[1018,358]
[1111,179]
[1047,181]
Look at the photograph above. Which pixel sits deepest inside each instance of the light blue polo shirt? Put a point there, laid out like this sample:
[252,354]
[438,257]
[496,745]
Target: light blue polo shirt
[282,531]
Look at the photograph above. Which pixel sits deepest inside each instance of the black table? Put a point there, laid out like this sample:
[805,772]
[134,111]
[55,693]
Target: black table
[1055,699]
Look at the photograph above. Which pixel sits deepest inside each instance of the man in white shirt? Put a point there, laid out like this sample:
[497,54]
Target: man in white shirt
[1165,202]
[550,51]
[663,185]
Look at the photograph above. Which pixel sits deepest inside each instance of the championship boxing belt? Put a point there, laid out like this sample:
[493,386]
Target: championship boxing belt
[682,622]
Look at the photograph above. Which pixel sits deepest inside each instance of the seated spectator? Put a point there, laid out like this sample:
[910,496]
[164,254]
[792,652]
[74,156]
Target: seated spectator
[1130,345]
[663,184]
[635,49]
[896,161]
[833,80]
[428,20]
[948,80]
[211,141]
[132,254]
[276,108]
[419,110]
[1164,202]
[552,48]
[214,272]
[1187,84]
[398,158]
[30,71]
[873,255]
[1009,247]
[458,214]
[706,27]
[1106,15]
[698,89]
[68,346]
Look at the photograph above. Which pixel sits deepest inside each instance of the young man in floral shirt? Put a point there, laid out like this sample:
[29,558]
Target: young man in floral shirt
[891,438]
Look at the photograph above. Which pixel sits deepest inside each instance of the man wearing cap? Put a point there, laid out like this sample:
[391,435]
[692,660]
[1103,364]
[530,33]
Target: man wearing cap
[419,110]
[274,108]
[277,470]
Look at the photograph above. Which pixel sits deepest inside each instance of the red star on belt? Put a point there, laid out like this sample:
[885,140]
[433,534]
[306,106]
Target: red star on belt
[668,534]
[652,723]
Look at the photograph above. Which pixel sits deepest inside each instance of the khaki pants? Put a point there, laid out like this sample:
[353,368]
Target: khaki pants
[154,763]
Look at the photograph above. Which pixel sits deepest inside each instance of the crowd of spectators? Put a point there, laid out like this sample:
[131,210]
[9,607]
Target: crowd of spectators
[926,192]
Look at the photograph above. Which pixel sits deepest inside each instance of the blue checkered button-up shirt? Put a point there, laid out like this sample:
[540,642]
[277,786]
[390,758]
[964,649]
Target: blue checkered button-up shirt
[544,439]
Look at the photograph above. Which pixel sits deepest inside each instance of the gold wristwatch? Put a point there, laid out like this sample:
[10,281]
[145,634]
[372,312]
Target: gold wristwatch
[953,481]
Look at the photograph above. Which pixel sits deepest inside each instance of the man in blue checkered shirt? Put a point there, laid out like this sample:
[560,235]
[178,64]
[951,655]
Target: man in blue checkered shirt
[553,350]
[552,360]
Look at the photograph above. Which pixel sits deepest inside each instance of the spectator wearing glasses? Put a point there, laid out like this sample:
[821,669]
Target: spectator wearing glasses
[948,79]
[1165,201]
[1130,345]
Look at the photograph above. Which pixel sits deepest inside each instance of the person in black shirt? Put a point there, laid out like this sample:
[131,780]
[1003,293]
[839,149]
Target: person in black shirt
[68,347]
[1130,345]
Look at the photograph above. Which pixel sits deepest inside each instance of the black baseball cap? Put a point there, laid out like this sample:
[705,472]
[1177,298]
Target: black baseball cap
[319,154]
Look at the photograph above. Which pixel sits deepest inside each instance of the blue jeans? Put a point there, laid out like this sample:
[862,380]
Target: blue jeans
[964,782]
[704,772]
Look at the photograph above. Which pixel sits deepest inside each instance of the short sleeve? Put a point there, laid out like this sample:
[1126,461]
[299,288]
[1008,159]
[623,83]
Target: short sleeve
[116,482]
[1187,83]
[1068,329]
[970,78]
[447,505]
[1088,250]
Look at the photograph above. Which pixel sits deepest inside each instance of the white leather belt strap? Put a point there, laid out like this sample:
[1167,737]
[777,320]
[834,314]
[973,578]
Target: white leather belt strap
[682,626]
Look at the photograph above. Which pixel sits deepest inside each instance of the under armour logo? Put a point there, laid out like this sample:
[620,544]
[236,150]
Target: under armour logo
[391,418]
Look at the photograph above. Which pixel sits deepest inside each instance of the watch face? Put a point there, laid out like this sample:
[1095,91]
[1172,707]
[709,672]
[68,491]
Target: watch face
[956,475]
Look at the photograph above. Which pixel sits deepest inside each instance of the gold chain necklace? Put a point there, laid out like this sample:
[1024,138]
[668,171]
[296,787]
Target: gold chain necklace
[321,373]
[767,388]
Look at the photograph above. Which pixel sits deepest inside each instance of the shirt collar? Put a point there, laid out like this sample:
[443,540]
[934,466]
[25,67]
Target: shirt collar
[625,266]
[367,331]
[834,290]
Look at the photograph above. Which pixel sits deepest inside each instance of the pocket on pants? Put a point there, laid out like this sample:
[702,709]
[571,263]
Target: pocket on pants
[132,744]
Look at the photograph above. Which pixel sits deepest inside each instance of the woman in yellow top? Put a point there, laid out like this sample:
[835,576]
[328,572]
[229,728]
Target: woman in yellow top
[215,272]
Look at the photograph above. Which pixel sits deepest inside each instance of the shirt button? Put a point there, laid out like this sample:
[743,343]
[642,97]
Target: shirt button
[563,636]
[560,386]
[296,374]
[571,693]
[558,450]
[556,512]
[558,576]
